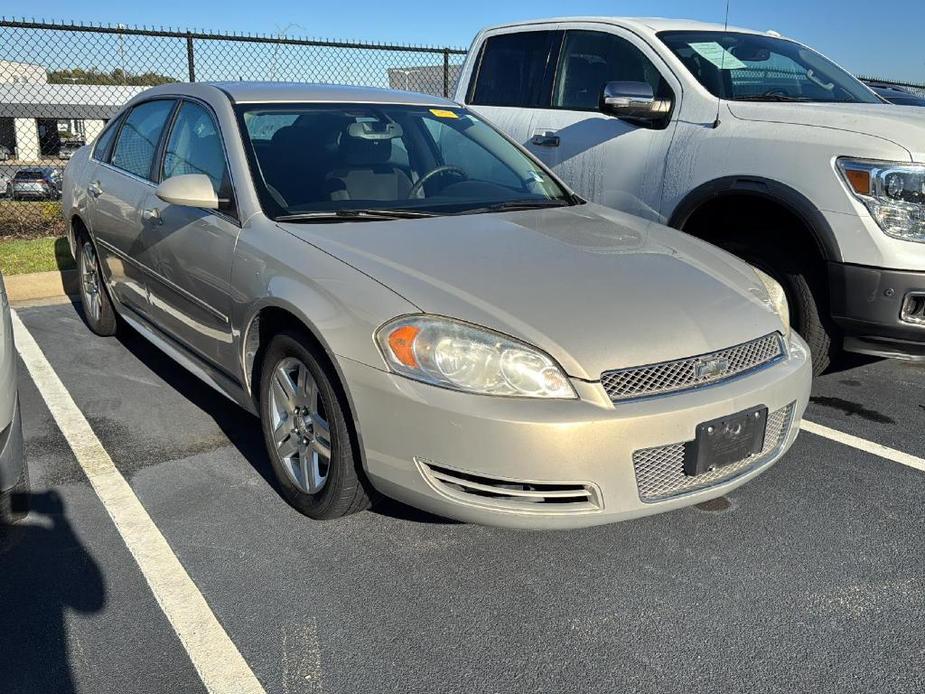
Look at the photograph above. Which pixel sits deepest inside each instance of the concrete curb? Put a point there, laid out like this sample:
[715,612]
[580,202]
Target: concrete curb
[41,285]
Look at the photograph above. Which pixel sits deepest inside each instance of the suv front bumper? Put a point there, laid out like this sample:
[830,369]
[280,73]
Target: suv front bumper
[867,304]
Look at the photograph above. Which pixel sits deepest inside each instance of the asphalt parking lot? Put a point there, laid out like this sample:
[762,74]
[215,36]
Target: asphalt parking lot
[809,578]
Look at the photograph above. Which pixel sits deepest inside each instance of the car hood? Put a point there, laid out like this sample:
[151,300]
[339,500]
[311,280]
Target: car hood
[901,125]
[594,288]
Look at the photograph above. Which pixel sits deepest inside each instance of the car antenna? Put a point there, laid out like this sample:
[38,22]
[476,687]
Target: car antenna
[722,63]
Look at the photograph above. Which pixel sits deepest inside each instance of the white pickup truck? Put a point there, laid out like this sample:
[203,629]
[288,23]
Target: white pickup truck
[743,138]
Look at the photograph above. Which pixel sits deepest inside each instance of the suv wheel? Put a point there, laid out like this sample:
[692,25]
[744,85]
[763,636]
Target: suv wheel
[306,433]
[97,307]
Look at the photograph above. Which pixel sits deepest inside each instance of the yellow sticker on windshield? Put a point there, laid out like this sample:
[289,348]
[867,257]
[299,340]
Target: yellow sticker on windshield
[443,113]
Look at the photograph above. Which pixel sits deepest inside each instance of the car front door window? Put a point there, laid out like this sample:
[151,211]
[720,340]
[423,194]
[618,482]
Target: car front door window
[195,147]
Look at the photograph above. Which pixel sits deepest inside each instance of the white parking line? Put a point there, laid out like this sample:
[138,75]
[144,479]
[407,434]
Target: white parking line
[217,660]
[865,445]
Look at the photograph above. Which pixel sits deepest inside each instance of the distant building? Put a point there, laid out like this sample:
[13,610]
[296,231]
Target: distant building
[12,72]
[35,114]
[427,79]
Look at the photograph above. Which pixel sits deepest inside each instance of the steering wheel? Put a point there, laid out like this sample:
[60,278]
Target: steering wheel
[416,188]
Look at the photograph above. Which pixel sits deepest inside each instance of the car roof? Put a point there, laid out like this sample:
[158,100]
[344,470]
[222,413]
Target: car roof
[303,92]
[643,25]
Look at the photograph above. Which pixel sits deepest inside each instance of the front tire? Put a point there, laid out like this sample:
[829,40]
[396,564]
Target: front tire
[97,307]
[807,297]
[306,432]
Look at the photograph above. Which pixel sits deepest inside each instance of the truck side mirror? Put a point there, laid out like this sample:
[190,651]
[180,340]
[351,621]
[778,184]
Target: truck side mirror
[634,101]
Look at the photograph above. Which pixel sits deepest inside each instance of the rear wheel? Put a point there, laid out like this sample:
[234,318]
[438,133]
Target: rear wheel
[306,432]
[97,307]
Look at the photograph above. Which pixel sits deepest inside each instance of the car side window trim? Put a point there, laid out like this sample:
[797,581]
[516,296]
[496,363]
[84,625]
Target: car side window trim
[161,154]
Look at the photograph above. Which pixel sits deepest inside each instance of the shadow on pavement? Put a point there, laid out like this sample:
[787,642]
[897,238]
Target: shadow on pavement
[241,428]
[44,571]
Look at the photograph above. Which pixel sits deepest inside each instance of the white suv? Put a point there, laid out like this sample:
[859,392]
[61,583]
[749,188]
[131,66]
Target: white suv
[748,140]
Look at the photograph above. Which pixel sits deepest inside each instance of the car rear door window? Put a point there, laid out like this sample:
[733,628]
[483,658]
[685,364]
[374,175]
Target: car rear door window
[101,146]
[515,69]
[138,139]
[591,59]
[195,147]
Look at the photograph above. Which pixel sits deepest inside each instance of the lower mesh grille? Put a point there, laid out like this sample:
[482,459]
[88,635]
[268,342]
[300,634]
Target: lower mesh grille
[660,471]
[510,495]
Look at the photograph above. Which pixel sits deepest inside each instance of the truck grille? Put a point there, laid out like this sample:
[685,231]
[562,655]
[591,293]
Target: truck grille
[660,471]
[691,372]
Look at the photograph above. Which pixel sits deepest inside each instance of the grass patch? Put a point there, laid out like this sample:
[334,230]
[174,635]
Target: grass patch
[30,218]
[19,256]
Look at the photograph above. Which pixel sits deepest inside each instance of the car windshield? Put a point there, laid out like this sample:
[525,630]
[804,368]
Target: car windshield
[317,160]
[28,175]
[756,67]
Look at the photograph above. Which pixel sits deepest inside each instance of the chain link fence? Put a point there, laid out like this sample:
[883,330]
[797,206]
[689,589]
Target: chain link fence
[60,83]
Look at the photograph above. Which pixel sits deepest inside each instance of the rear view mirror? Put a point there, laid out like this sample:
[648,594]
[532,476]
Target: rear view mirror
[633,101]
[188,190]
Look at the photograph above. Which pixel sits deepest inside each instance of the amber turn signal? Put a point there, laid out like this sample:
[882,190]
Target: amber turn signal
[401,342]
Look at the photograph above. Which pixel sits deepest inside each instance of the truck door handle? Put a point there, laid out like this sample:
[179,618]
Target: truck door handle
[151,214]
[95,189]
[545,139]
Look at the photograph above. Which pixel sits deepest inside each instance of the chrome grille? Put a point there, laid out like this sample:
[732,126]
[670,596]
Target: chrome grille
[681,374]
[660,471]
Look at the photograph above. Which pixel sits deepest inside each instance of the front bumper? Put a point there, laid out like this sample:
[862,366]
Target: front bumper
[13,474]
[414,434]
[866,304]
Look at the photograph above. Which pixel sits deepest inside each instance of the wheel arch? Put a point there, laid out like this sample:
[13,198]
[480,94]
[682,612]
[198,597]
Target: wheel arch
[268,319]
[770,191]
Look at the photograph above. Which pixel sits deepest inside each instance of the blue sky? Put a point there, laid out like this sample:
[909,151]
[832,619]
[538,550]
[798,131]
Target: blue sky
[884,39]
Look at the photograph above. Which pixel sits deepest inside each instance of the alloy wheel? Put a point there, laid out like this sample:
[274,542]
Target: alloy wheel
[301,433]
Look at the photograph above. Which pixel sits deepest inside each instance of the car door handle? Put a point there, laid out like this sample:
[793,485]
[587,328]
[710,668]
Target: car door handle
[151,214]
[545,139]
[95,189]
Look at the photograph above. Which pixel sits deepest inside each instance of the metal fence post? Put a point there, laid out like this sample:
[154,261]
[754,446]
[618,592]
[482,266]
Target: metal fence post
[446,72]
[190,61]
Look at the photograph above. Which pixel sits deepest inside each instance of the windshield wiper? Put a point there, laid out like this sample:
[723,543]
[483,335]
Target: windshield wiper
[353,215]
[770,97]
[511,205]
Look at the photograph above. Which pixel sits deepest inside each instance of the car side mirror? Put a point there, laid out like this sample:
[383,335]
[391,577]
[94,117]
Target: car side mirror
[633,101]
[188,190]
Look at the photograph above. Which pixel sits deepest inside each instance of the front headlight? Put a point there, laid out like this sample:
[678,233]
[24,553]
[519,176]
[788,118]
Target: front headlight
[894,193]
[777,299]
[452,354]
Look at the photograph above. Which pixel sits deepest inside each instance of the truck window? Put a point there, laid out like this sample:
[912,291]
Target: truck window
[591,59]
[514,70]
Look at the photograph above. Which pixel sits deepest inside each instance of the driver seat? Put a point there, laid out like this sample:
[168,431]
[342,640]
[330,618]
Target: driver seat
[366,172]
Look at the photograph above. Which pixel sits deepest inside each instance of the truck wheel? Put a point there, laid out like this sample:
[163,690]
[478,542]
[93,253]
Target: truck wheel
[807,296]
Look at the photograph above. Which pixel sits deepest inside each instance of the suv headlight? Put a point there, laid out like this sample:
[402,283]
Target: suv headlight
[456,355]
[777,299]
[893,192]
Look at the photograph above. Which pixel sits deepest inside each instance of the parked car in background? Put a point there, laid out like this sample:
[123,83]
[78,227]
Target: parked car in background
[14,479]
[35,184]
[745,139]
[67,149]
[412,304]
[4,185]
[895,94]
